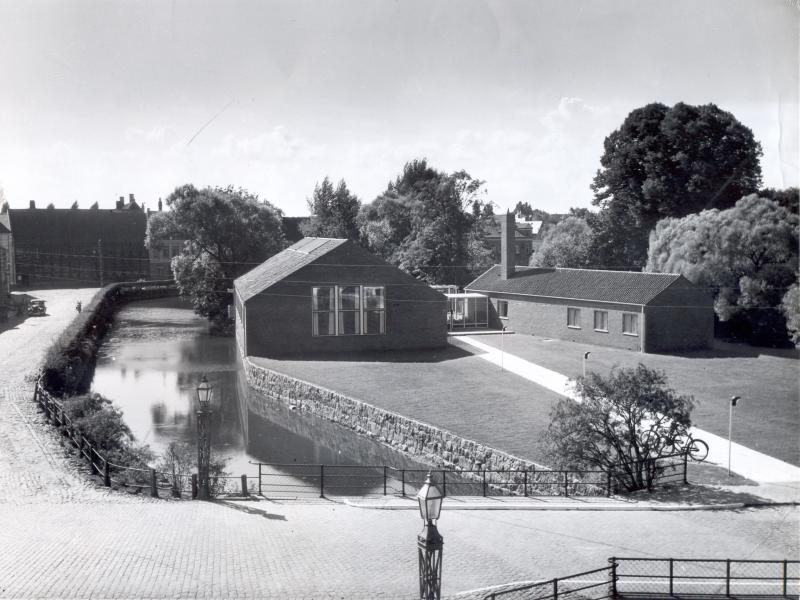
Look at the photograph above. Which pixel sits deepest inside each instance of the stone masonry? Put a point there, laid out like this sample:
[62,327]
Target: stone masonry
[414,438]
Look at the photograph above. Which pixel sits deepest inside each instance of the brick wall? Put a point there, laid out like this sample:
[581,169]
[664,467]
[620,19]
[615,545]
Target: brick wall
[549,319]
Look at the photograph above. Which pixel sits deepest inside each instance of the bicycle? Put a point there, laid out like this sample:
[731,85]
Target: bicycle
[696,448]
[660,445]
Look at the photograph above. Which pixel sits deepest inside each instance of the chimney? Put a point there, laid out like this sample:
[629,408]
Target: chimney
[32,204]
[159,205]
[121,203]
[507,256]
[130,196]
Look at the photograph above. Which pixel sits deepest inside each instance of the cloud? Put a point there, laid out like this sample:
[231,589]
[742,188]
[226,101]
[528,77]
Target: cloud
[274,145]
[155,135]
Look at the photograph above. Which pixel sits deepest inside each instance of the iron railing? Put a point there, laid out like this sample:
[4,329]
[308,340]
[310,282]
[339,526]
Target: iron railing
[650,578]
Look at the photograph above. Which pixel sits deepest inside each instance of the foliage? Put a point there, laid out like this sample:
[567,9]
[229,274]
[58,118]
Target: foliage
[788,198]
[228,231]
[334,212]
[747,255]
[74,205]
[668,162]
[790,307]
[4,208]
[617,423]
[426,223]
[567,244]
[178,460]
[51,206]
[99,420]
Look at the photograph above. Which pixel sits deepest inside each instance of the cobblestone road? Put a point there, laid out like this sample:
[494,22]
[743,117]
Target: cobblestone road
[63,537]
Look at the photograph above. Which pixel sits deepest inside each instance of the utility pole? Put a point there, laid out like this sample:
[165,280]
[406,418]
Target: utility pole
[100,259]
[734,400]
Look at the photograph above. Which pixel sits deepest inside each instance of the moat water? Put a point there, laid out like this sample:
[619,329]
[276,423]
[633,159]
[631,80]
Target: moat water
[150,365]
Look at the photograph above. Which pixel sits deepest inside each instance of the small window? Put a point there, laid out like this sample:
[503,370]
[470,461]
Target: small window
[630,324]
[601,320]
[374,310]
[349,310]
[574,318]
[502,309]
[323,311]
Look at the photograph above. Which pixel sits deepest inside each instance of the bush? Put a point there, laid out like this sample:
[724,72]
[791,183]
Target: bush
[98,420]
[620,424]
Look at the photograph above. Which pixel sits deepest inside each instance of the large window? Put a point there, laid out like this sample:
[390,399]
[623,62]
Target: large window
[348,310]
[630,324]
[574,318]
[601,320]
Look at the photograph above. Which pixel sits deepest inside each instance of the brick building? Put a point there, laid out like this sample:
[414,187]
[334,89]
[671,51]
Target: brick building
[527,238]
[74,246]
[647,312]
[324,295]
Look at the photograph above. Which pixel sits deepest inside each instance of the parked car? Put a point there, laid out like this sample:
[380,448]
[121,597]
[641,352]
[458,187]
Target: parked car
[36,308]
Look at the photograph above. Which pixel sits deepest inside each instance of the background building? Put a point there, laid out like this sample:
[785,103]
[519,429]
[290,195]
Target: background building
[77,247]
[527,238]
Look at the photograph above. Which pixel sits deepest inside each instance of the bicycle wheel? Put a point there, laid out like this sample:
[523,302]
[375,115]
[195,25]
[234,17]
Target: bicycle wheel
[676,444]
[698,450]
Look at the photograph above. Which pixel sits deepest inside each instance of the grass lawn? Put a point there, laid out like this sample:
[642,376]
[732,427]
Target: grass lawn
[451,388]
[766,419]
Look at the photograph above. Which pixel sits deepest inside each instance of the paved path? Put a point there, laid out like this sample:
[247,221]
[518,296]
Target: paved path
[751,464]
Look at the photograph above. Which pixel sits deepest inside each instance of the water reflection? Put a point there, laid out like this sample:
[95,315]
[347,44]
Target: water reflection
[150,365]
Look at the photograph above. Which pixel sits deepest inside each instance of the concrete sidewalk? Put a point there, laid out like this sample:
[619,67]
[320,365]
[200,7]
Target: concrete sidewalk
[748,463]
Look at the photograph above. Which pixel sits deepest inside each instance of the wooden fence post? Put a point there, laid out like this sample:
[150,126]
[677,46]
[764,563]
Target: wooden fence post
[194,486]
[322,481]
[92,467]
[153,484]
[613,582]
[403,481]
[525,482]
[244,486]
[484,483]
[685,467]
[107,472]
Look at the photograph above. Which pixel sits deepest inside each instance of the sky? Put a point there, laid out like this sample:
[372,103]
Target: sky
[103,99]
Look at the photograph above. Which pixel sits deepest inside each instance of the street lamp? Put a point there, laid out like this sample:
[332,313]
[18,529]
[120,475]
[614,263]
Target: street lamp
[502,346]
[583,362]
[205,391]
[734,400]
[429,542]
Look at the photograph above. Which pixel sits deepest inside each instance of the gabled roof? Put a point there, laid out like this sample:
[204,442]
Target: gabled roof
[283,264]
[623,287]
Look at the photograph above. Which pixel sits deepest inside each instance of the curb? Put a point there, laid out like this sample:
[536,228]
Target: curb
[581,507]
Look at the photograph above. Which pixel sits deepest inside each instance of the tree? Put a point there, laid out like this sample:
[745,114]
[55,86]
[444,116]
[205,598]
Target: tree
[334,212]
[746,255]
[668,162]
[427,224]
[790,307]
[620,423]
[74,205]
[567,244]
[228,231]
[51,206]
[4,208]
[788,198]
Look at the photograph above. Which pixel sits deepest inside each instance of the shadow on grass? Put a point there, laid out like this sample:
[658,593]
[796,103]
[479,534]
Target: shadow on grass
[723,349]
[432,355]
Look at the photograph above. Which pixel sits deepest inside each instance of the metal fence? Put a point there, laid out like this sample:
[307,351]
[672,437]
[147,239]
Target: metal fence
[280,480]
[639,577]
[649,578]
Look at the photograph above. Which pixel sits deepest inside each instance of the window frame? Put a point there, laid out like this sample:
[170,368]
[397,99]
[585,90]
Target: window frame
[634,318]
[502,313]
[574,310]
[338,312]
[603,329]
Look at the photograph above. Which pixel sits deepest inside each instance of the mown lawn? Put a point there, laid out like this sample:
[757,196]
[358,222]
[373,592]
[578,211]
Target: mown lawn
[768,380]
[451,388]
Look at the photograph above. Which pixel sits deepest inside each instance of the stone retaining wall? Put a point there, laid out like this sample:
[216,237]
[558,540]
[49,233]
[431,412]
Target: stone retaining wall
[422,441]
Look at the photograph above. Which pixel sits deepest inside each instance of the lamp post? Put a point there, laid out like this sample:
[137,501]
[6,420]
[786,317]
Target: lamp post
[583,362]
[429,542]
[205,392]
[502,346]
[734,400]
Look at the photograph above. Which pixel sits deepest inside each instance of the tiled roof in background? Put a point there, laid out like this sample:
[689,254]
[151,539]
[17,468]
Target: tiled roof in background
[624,287]
[68,227]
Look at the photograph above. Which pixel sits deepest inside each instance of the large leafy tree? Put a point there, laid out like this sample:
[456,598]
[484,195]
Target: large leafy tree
[334,212]
[668,162]
[567,244]
[427,224]
[228,232]
[746,255]
[621,424]
[790,307]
